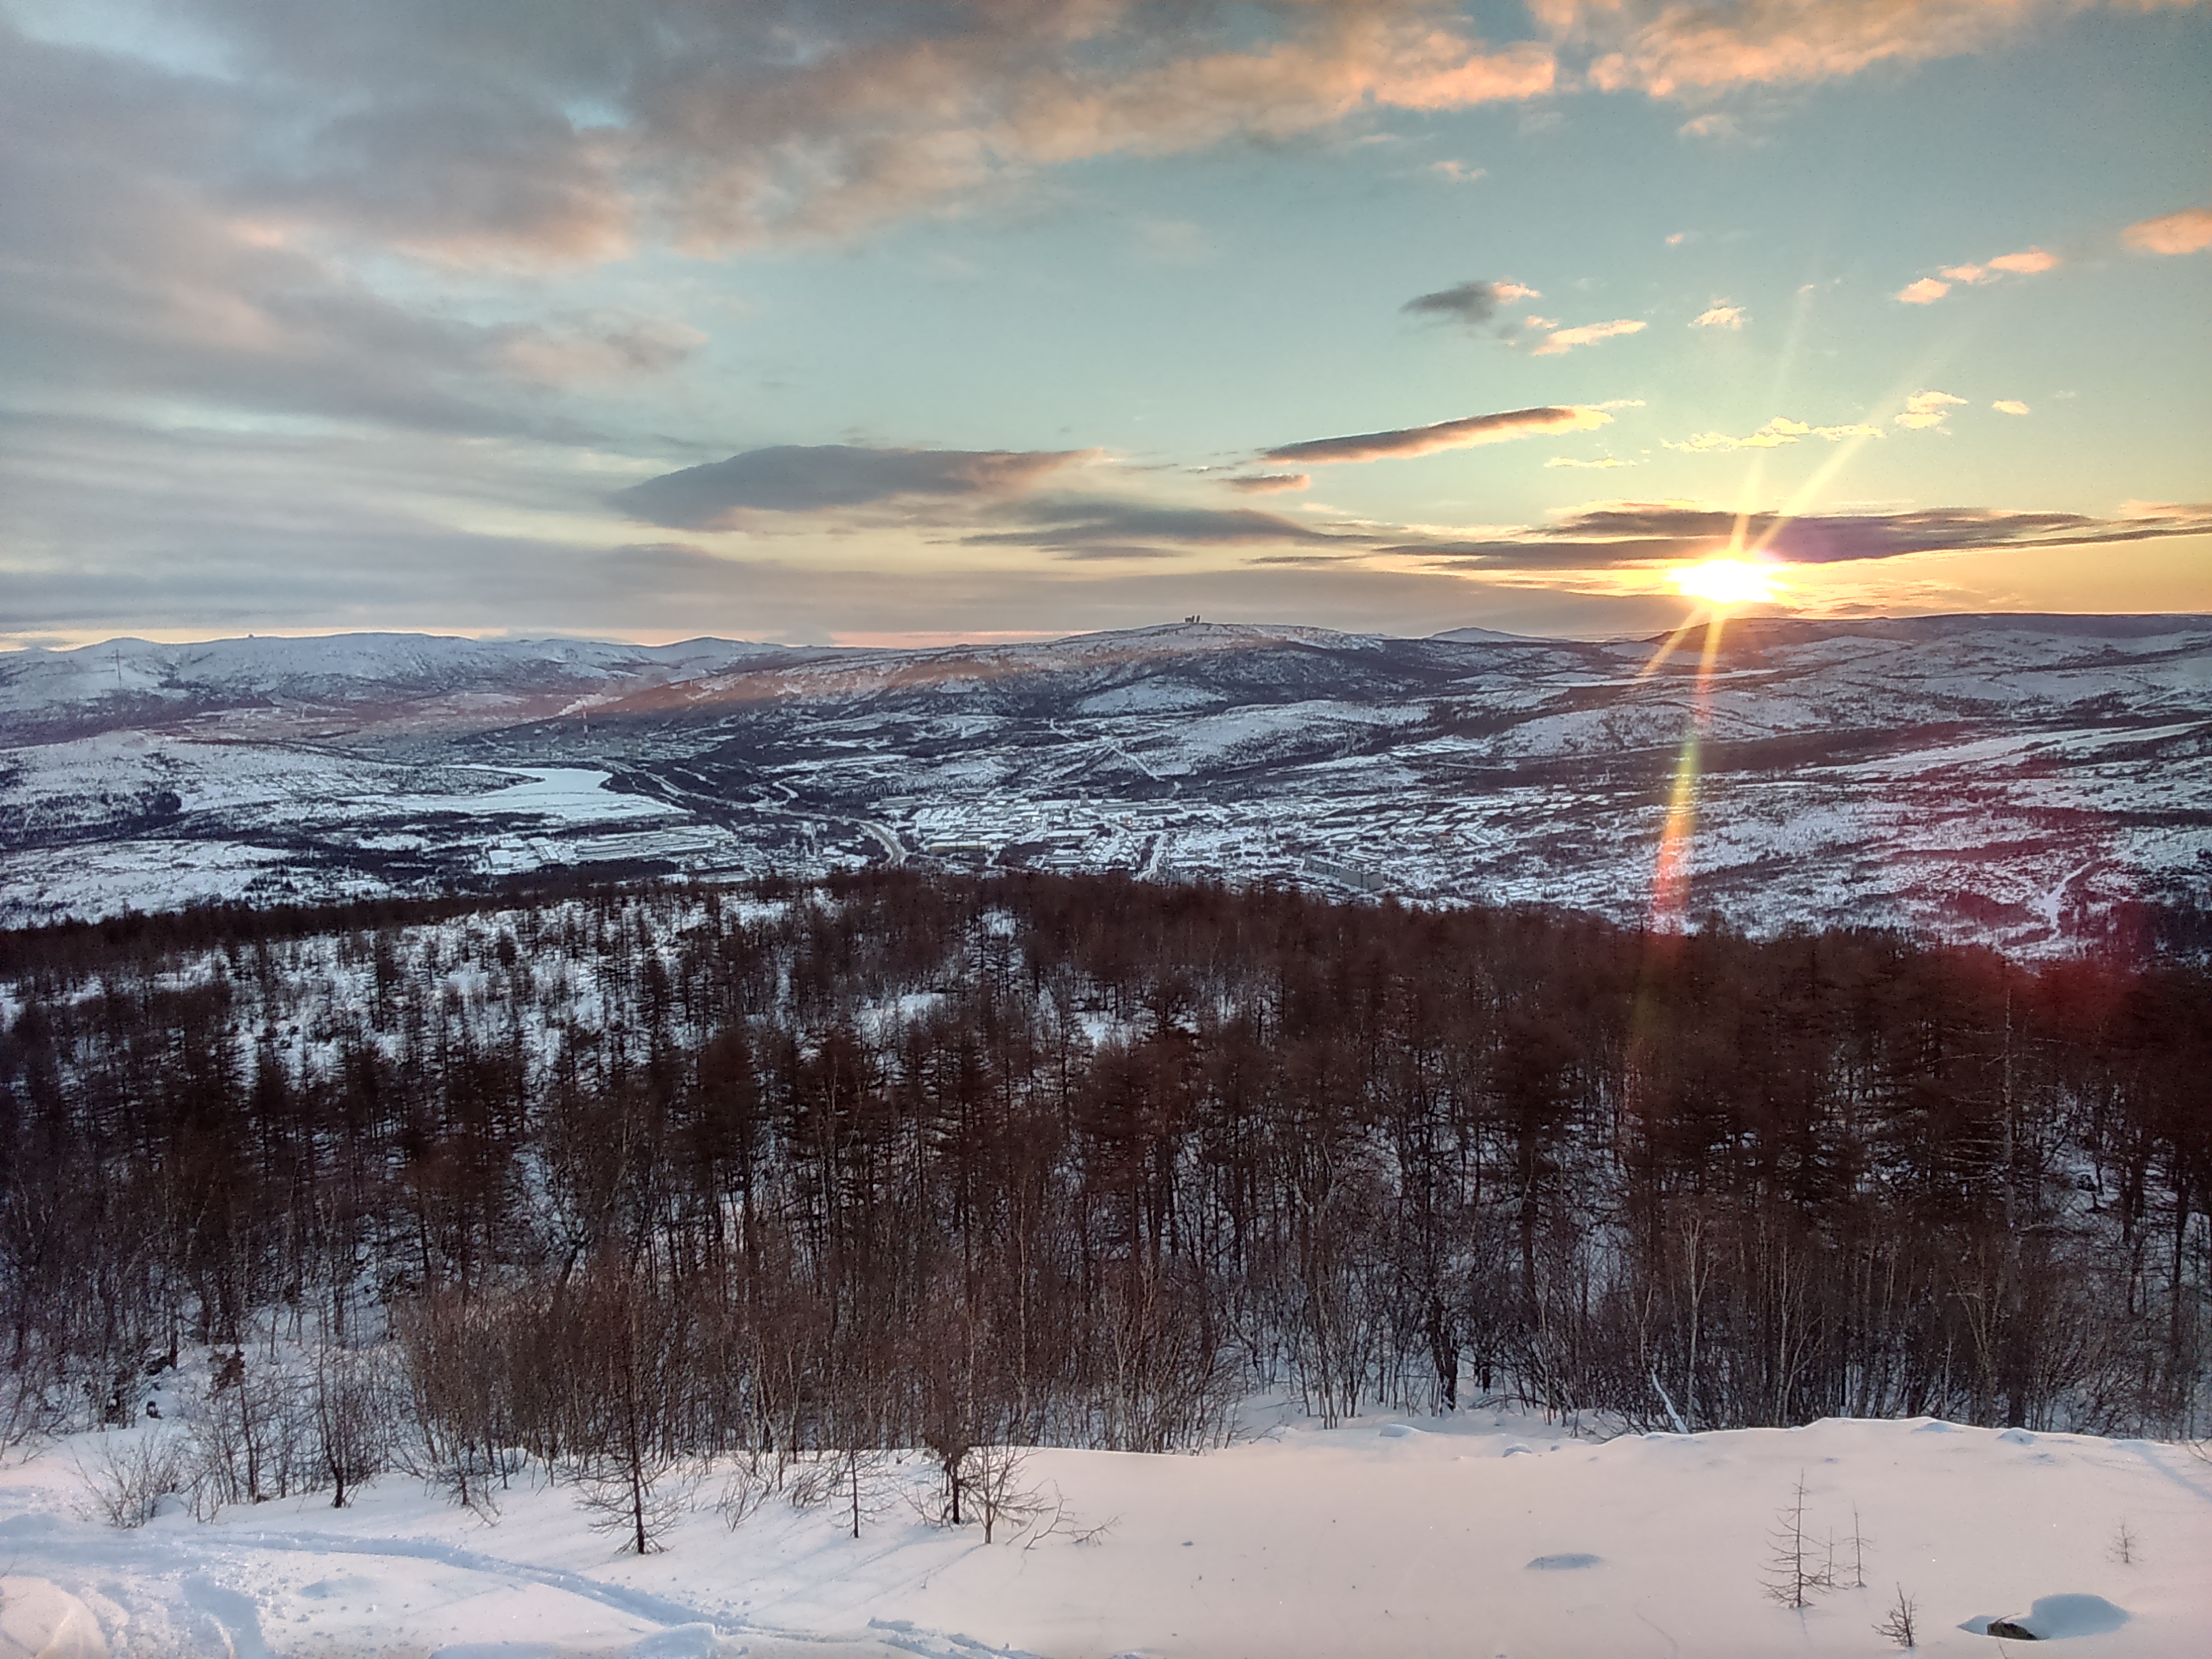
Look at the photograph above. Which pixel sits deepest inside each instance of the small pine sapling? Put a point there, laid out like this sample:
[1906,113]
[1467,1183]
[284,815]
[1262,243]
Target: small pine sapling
[1791,1574]
[1898,1626]
[2125,1545]
[1859,1542]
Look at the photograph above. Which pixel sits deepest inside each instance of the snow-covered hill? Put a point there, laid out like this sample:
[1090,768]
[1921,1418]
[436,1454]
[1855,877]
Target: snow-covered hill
[2017,779]
[1481,1534]
[379,678]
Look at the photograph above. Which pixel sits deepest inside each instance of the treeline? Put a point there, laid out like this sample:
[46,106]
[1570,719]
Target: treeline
[931,1161]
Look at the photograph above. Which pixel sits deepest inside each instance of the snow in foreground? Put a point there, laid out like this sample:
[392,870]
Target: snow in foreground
[1476,1535]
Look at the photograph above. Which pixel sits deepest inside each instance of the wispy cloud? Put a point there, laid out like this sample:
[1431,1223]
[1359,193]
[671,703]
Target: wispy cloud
[2009,406]
[1925,410]
[1566,339]
[1775,434]
[808,478]
[1111,527]
[1268,484]
[1445,434]
[1718,317]
[1670,50]
[1925,292]
[1713,125]
[2189,231]
[1605,463]
[1458,172]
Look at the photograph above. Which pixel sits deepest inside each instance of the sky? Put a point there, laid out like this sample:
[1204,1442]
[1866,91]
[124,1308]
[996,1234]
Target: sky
[918,320]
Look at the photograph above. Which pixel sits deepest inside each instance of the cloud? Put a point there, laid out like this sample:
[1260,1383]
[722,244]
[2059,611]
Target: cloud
[1719,317]
[1775,434]
[1472,303]
[1458,171]
[1714,125]
[1445,434]
[2188,231]
[806,478]
[764,128]
[1095,527]
[1605,462]
[2028,262]
[1640,533]
[1671,50]
[1268,484]
[1564,339]
[1925,410]
[2009,406]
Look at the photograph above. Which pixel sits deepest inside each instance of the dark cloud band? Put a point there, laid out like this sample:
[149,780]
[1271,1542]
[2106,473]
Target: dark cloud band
[810,477]
[1635,533]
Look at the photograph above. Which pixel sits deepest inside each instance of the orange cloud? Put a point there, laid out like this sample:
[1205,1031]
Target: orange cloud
[2187,231]
[1673,49]
[2028,262]
[1566,339]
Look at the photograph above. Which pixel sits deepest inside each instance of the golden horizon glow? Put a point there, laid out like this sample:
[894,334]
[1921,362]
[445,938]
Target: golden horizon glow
[1726,580]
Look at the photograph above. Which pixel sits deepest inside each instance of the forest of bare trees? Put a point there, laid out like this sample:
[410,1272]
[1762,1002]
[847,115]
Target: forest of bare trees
[608,1179]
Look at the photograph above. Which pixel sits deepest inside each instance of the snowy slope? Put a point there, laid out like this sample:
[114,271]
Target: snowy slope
[1479,1535]
[131,682]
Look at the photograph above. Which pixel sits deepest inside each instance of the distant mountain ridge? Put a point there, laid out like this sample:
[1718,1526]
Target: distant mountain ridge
[2021,779]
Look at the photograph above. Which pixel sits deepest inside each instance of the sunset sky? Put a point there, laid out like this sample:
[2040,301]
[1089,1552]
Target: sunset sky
[892,322]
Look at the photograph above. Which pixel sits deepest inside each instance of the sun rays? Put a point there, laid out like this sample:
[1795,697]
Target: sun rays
[1726,580]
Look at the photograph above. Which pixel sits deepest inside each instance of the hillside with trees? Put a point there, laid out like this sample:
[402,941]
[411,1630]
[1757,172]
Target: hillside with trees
[604,1179]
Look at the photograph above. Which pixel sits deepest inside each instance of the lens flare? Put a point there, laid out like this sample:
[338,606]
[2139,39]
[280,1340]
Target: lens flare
[1726,581]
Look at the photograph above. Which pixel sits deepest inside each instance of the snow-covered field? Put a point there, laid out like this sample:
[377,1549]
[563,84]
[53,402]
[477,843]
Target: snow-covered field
[1480,1534]
[2017,780]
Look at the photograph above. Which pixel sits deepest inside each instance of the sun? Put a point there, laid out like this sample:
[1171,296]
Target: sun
[1725,581]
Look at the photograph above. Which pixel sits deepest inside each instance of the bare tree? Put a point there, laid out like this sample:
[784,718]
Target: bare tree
[998,1493]
[1897,1626]
[1859,1542]
[756,1478]
[351,1404]
[636,1365]
[1791,1576]
[855,1478]
[445,1352]
[128,1481]
[250,1435]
